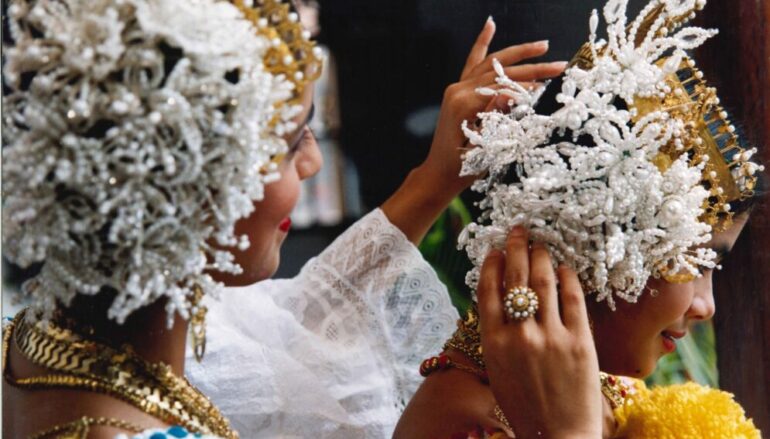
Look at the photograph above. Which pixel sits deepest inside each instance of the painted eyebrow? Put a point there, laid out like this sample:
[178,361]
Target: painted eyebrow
[297,137]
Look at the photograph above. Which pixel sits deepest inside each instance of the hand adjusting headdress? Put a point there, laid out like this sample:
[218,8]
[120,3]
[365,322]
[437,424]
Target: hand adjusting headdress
[136,133]
[633,171]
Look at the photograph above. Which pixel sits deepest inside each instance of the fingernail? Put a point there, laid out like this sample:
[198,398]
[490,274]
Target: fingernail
[560,64]
[518,231]
[543,44]
[490,18]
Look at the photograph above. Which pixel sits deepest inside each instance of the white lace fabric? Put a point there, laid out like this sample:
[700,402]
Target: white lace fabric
[333,352]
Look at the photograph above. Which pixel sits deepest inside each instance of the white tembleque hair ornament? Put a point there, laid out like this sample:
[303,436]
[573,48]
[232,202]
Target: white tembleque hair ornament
[136,132]
[628,177]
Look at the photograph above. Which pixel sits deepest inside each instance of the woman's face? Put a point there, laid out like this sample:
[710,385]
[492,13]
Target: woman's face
[269,223]
[631,340]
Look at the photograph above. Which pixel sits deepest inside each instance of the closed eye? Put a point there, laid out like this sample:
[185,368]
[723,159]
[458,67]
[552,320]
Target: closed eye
[305,136]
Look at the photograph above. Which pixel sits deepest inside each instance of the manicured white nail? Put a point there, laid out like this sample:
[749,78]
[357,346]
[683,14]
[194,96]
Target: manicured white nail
[544,43]
[490,18]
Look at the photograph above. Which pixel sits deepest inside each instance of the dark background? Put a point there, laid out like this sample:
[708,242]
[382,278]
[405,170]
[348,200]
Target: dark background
[395,58]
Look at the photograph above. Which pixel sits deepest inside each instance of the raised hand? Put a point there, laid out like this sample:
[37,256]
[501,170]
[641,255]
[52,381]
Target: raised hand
[430,187]
[543,369]
[461,102]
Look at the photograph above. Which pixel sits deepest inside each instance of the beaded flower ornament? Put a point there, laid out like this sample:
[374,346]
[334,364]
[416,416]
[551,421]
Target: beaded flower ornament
[136,133]
[633,170]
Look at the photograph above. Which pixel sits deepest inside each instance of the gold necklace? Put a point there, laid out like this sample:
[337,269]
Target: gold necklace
[86,365]
[79,429]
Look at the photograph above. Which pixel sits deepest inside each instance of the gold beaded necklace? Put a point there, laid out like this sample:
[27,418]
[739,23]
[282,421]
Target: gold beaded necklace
[83,364]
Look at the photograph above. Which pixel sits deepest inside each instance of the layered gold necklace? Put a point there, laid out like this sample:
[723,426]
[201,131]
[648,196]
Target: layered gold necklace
[78,363]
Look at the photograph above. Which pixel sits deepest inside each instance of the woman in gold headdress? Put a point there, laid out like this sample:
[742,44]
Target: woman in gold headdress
[153,152]
[635,187]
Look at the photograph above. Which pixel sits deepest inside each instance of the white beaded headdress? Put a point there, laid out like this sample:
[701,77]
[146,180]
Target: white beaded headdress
[631,173]
[136,133]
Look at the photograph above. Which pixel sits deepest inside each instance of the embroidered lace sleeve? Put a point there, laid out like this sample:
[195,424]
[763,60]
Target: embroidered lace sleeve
[333,352]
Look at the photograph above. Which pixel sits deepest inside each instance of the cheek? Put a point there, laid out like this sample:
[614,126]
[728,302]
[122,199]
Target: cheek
[670,303]
[628,339]
[261,259]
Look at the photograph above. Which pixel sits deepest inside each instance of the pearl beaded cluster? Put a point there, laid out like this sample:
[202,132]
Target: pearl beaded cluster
[136,132]
[520,303]
[606,209]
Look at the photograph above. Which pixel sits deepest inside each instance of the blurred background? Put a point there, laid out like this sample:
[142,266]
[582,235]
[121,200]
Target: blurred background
[377,104]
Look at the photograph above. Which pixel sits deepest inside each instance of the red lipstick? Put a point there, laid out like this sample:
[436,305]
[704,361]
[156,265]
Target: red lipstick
[669,339]
[285,225]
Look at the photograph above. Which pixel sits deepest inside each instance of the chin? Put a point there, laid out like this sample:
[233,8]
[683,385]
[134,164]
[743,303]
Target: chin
[249,276]
[268,268]
[645,366]
[631,364]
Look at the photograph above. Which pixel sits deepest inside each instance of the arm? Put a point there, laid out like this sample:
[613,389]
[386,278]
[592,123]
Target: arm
[429,188]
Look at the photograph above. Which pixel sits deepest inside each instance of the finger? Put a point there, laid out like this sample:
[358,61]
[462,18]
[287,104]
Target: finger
[495,103]
[573,305]
[480,47]
[543,280]
[503,100]
[525,72]
[517,258]
[511,55]
[489,290]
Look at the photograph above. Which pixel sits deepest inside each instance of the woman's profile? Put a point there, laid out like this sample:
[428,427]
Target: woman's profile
[610,199]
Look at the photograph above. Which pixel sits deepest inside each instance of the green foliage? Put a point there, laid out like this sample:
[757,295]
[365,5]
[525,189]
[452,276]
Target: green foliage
[694,360]
[439,248]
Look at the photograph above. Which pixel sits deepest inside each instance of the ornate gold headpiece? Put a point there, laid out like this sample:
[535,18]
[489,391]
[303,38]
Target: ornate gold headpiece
[729,175]
[292,52]
[631,172]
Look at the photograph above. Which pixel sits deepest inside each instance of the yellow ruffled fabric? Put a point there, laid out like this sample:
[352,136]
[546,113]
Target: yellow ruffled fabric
[683,411]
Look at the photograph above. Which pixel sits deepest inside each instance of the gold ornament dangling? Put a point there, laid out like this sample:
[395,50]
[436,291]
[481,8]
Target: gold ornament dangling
[198,324]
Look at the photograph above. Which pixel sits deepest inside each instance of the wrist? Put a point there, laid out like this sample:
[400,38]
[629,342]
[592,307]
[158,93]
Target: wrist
[418,202]
[439,184]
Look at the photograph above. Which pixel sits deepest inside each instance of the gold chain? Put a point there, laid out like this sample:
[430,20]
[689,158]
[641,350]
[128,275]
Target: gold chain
[83,364]
[501,417]
[467,338]
[79,429]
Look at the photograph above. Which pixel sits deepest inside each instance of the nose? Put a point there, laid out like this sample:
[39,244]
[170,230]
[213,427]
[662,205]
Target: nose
[310,160]
[702,306]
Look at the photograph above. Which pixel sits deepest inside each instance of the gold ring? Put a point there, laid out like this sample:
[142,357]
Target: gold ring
[521,303]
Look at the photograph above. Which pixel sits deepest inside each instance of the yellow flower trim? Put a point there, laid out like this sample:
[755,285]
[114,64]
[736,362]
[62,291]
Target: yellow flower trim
[683,411]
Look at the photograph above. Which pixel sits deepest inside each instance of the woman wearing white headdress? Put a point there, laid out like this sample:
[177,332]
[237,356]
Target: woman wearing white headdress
[632,189]
[152,155]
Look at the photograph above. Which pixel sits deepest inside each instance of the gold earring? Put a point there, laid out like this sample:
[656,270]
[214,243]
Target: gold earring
[198,324]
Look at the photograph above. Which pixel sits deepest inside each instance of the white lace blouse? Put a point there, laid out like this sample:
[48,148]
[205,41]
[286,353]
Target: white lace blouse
[333,352]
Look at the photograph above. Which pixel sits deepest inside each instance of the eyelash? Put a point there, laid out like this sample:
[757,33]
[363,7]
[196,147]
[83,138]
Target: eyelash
[306,133]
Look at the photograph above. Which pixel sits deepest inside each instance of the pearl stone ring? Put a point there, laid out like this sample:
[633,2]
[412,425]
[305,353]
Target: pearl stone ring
[520,303]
